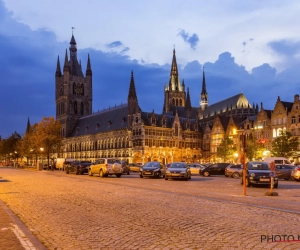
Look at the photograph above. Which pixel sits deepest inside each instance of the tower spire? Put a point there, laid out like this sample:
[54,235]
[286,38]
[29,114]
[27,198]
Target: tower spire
[132,92]
[174,83]
[66,64]
[204,94]
[28,126]
[58,71]
[88,67]
[188,104]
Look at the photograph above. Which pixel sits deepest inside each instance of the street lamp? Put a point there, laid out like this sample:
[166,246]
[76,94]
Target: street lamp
[236,155]
[42,150]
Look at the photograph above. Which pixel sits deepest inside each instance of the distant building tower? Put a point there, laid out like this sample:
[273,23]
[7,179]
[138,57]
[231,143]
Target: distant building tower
[175,95]
[133,105]
[73,90]
[204,95]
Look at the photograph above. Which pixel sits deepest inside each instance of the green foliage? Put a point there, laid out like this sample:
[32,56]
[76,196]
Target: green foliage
[226,149]
[8,147]
[254,148]
[284,145]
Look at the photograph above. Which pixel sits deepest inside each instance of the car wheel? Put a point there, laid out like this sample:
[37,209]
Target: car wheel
[118,175]
[166,178]
[101,173]
[141,176]
[276,185]
[247,183]
[90,172]
[128,173]
[235,175]
[206,174]
[158,175]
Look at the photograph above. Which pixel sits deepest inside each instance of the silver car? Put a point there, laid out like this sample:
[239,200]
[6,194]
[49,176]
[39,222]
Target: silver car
[234,171]
[178,170]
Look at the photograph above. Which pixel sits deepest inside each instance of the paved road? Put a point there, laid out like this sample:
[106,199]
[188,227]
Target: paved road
[82,212]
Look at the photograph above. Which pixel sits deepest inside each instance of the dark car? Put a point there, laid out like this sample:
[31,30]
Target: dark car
[259,173]
[152,169]
[178,170]
[284,171]
[214,169]
[126,169]
[234,171]
[78,167]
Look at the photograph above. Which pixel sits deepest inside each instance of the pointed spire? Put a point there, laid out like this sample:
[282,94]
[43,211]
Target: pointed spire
[88,67]
[58,71]
[174,69]
[204,92]
[66,64]
[174,83]
[73,39]
[132,92]
[188,105]
[28,126]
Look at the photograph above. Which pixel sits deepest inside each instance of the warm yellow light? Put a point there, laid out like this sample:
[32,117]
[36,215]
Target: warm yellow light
[42,149]
[236,154]
[234,131]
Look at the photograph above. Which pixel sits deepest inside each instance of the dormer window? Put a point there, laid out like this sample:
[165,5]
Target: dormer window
[296,107]
[109,123]
[164,122]
[123,120]
[136,119]
[97,125]
[86,128]
[153,120]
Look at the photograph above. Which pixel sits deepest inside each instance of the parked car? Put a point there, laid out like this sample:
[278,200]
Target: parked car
[258,173]
[105,167]
[178,170]
[214,169]
[126,169]
[67,163]
[284,171]
[78,167]
[295,174]
[134,167]
[234,171]
[195,168]
[152,169]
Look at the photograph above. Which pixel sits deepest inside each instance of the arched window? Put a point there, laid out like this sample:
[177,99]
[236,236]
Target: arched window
[180,102]
[81,108]
[75,107]
[176,102]
[136,120]
[70,107]
[82,87]
[173,102]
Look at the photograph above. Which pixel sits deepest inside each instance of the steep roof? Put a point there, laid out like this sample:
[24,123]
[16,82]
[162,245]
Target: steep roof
[238,101]
[110,119]
[288,105]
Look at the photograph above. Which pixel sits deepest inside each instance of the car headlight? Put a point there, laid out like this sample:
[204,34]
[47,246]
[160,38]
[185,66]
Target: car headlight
[155,170]
[252,174]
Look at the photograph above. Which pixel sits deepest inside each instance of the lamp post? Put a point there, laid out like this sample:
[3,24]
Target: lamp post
[42,150]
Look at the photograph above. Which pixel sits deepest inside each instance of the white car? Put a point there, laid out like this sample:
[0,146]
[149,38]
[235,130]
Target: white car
[195,168]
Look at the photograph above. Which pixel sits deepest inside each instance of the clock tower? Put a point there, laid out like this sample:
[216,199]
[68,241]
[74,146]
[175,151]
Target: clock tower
[73,90]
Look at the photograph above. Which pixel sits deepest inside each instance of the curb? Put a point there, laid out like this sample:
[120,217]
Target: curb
[23,230]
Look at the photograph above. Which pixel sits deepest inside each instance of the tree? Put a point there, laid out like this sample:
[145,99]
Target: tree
[226,149]
[284,145]
[254,148]
[47,136]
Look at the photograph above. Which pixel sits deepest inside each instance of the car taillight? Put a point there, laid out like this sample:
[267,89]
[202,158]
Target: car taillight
[298,169]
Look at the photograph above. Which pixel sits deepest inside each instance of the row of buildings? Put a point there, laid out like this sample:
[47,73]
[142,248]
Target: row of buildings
[180,133]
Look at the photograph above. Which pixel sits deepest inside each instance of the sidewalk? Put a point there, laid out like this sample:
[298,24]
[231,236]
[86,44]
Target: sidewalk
[14,235]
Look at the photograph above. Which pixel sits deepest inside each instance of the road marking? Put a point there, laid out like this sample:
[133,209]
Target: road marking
[21,237]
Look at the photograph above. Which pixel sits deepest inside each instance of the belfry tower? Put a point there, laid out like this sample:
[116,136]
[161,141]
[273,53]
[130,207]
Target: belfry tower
[174,93]
[73,90]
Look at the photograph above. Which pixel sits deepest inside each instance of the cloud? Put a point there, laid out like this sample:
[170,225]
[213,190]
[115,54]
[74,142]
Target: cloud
[28,62]
[191,40]
[114,44]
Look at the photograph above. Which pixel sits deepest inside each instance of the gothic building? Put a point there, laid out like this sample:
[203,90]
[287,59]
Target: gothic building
[180,133]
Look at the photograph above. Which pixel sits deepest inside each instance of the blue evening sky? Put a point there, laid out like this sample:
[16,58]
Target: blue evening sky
[249,46]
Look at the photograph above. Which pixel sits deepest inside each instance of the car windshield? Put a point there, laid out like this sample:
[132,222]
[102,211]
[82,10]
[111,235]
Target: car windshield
[178,165]
[151,165]
[258,166]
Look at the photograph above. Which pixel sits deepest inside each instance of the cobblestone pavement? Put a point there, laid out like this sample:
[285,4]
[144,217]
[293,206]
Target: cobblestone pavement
[83,212]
